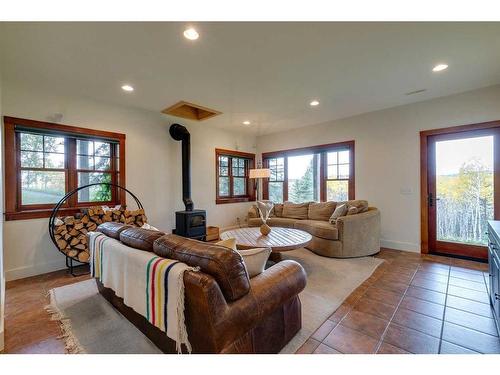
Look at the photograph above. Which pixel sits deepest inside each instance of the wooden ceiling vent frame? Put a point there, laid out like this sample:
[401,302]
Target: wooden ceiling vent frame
[190,111]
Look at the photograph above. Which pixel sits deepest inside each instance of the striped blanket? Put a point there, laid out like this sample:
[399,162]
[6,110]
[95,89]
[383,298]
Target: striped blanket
[151,285]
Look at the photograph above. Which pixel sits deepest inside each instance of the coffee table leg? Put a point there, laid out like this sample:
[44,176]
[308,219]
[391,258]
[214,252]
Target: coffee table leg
[275,257]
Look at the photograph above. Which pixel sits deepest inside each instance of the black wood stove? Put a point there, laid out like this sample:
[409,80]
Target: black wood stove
[189,223]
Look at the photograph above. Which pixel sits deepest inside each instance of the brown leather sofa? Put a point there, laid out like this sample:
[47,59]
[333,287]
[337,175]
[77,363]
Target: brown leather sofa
[225,310]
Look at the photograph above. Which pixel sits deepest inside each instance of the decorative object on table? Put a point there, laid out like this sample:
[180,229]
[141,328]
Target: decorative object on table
[69,233]
[265,208]
[258,174]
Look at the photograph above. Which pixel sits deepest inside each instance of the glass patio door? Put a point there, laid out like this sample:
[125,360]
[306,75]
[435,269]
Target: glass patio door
[461,191]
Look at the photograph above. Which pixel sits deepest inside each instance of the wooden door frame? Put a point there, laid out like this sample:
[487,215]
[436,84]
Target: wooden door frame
[424,210]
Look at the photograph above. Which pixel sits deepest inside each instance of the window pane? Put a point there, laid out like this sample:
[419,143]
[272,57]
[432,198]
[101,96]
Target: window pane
[223,186]
[337,190]
[344,171]
[239,186]
[301,179]
[84,147]
[223,161]
[276,166]
[54,160]
[85,162]
[332,172]
[223,171]
[276,192]
[54,144]
[332,158]
[102,149]
[239,172]
[102,163]
[344,157]
[99,193]
[31,142]
[31,159]
[39,187]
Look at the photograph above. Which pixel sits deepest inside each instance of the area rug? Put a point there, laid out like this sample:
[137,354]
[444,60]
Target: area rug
[329,282]
[90,324]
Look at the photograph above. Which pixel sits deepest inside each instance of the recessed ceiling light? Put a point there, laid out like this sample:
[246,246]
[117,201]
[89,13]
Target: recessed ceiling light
[439,67]
[246,122]
[314,103]
[191,34]
[127,88]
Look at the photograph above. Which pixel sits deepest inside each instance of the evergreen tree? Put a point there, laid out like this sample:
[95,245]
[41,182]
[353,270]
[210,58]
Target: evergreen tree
[303,188]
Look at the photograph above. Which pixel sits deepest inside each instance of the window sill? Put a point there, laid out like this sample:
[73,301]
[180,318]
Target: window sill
[46,212]
[234,200]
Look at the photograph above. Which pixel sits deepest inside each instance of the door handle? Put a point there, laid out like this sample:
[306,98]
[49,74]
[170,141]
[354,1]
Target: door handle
[432,199]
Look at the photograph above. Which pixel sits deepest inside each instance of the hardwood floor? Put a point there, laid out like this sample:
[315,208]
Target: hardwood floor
[411,304]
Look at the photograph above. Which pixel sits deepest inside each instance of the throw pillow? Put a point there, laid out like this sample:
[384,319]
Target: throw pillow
[339,211]
[295,210]
[253,259]
[230,243]
[352,210]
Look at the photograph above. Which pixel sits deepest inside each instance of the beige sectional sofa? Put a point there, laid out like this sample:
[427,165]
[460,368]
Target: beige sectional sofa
[353,235]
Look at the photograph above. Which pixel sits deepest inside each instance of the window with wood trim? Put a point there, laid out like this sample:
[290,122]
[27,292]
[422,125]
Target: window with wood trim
[232,182]
[317,173]
[44,161]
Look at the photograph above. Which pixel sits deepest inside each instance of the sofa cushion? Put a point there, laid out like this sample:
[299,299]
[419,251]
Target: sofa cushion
[140,238]
[321,210]
[318,228]
[295,210]
[112,229]
[281,222]
[278,210]
[223,264]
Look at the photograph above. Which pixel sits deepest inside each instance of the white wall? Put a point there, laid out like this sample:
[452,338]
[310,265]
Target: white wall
[153,162]
[387,153]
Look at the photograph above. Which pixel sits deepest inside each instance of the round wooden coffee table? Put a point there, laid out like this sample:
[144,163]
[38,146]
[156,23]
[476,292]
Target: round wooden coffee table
[279,240]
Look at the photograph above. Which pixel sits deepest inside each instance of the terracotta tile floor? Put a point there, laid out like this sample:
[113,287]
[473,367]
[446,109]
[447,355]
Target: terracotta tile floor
[411,304]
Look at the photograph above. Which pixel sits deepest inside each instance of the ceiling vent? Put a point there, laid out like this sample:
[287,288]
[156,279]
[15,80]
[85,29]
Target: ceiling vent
[416,92]
[190,111]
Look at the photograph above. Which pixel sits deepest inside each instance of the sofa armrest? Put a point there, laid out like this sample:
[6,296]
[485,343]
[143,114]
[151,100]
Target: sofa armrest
[360,233]
[277,284]
[224,322]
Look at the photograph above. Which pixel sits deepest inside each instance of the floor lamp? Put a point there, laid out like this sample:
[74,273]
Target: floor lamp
[264,207]
[258,174]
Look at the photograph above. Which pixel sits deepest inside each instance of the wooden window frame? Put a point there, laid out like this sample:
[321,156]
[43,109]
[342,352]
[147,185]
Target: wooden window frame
[318,149]
[250,186]
[14,210]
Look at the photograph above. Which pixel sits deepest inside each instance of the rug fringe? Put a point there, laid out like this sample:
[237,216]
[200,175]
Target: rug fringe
[71,342]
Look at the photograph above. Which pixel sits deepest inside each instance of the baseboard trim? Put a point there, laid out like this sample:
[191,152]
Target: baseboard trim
[34,270]
[397,245]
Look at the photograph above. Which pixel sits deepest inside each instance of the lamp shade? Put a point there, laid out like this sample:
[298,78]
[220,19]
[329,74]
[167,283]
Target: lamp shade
[260,173]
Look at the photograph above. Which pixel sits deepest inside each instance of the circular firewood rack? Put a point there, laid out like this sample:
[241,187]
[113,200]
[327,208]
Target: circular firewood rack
[53,216]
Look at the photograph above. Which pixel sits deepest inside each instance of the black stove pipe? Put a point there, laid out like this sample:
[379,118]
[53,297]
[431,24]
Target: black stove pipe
[180,133]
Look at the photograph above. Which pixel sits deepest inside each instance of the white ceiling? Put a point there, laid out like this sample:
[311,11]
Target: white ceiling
[263,72]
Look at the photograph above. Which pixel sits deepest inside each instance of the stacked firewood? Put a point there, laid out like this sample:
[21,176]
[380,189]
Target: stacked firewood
[71,231]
